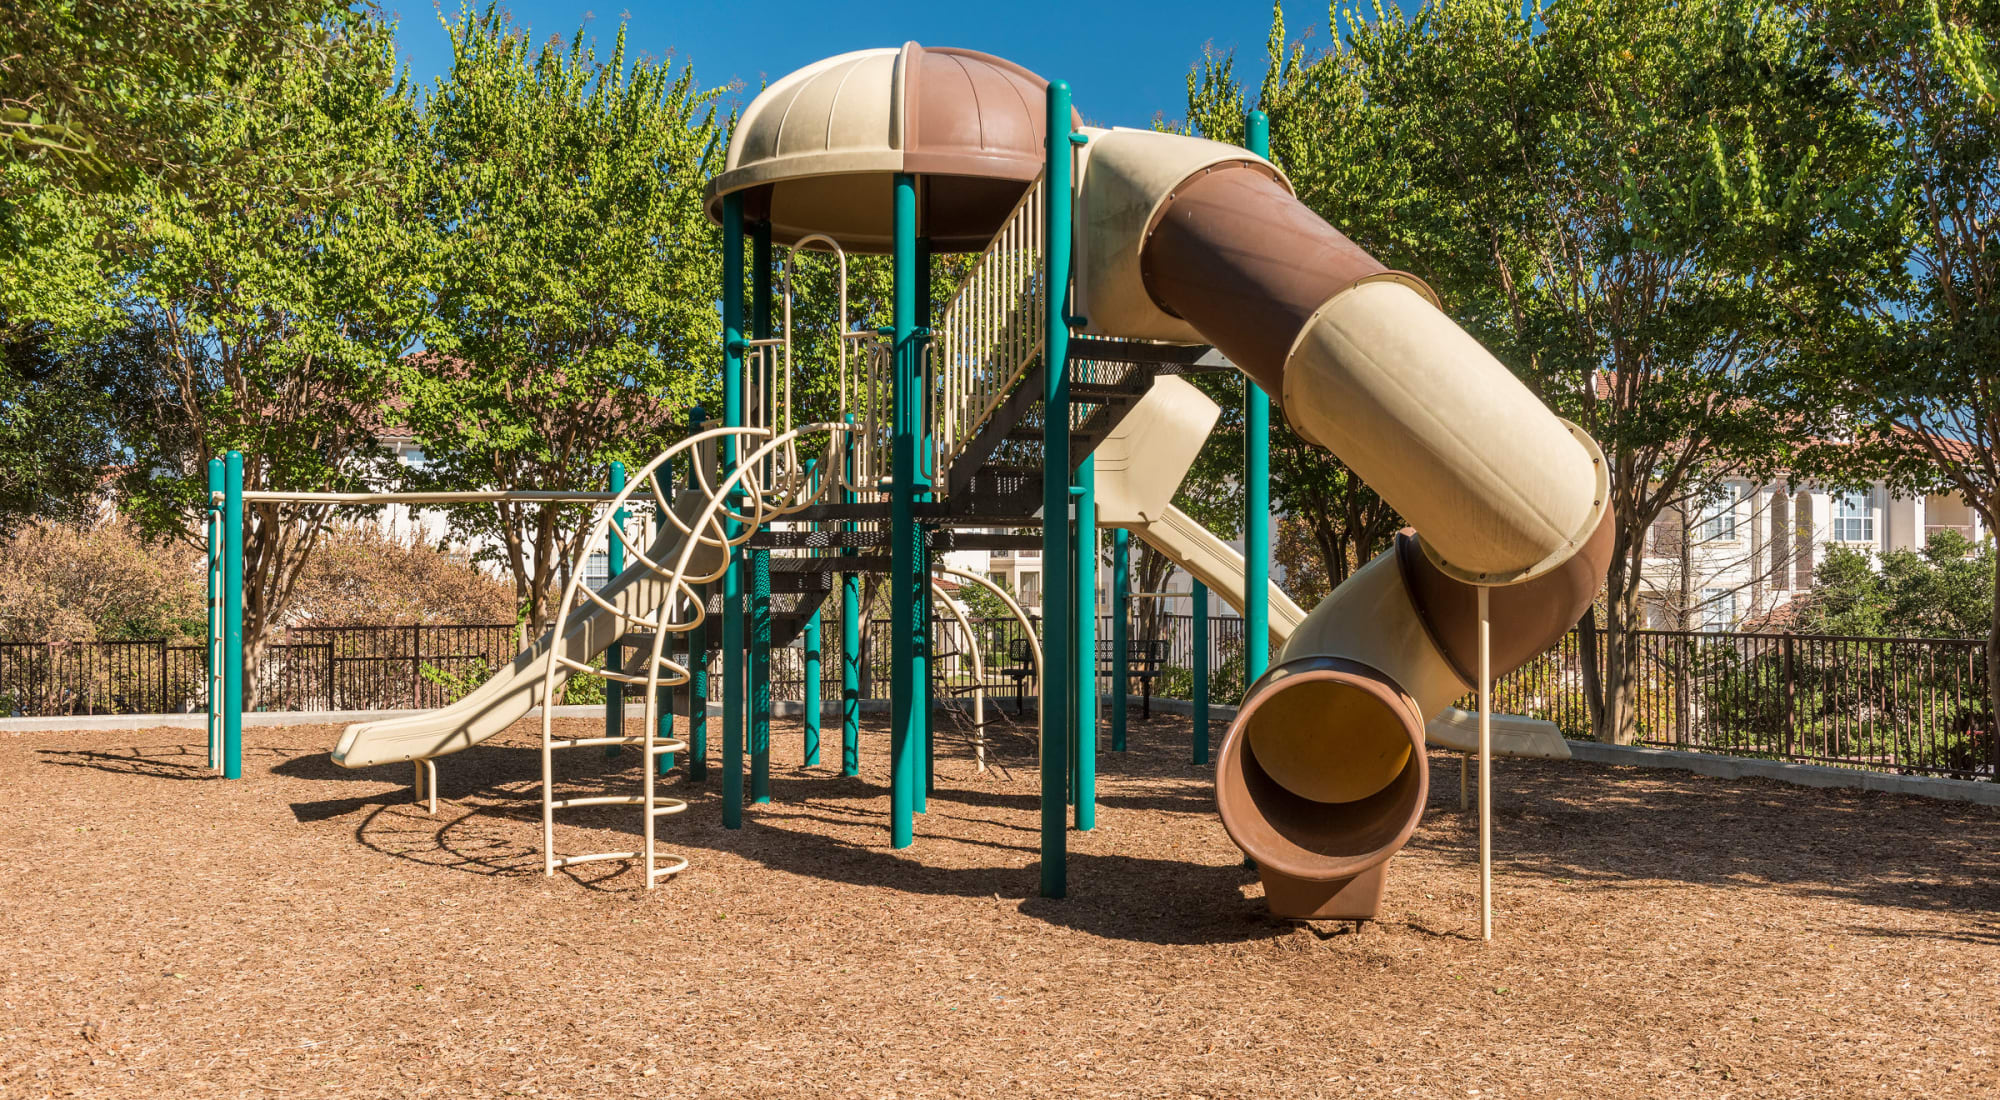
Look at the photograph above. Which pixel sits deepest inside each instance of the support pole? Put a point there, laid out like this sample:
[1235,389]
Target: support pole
[906,576]
[760,560]
[614,656]
[698,689]
[732,577]
[1485,766]
[850,637]
[664,698]
[212,667]
[1121,632]
[1200,662]
[812,701]
[926,459]
[1084,623]
[1256,485]
[232,617]
[1054,705]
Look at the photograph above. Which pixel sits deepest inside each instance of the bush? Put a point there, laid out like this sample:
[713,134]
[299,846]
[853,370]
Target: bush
[362,575]
[65,583]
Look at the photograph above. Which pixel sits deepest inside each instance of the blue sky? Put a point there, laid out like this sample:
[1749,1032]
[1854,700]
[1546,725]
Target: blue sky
[1127,61]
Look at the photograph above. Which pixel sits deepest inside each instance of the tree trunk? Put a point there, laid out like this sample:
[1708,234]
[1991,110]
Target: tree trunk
[1589,652]
[1619,719]
[1993,674]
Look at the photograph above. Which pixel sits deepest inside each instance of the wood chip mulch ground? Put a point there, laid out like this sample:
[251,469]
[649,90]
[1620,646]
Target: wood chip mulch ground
[309,932]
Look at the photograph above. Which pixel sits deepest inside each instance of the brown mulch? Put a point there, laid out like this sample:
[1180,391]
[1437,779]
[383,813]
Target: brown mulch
[310,932]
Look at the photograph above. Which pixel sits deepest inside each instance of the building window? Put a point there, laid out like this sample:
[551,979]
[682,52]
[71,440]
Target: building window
[1031,589]
[597,570]
[1854,517]
[1718,609]
[1718,517]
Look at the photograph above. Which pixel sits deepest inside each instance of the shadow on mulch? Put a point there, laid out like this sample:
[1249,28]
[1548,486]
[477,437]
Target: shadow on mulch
[1618,828]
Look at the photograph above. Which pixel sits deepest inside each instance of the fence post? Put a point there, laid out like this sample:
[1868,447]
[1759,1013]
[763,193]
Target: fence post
[416,668]
[1200,661]
[232,616]
[1791,696]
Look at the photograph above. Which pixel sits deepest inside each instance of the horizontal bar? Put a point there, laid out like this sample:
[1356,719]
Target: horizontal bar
[496,496]
[569,861]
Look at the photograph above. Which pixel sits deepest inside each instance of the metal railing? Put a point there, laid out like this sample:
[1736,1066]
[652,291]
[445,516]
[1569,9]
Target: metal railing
[993,330]
[1900,704]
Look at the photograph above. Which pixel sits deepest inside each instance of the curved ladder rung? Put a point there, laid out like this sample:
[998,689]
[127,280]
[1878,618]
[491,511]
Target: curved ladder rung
[571,861]
[679,864]
[597,800]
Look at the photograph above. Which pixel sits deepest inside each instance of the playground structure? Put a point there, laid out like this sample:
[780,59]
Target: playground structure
[1046,395]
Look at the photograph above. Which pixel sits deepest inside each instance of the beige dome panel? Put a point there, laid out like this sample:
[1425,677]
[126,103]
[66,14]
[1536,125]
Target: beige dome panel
[817,152]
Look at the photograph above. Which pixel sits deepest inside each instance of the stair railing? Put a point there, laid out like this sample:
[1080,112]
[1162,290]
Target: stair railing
[993,332]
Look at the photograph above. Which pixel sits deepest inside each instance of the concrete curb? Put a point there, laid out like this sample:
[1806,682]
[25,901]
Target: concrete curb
[1803,775]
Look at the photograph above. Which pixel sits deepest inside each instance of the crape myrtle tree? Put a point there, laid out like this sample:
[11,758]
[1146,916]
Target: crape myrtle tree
[266,286]
[96,98]
[575,279]
[1914,358]
[1607,194]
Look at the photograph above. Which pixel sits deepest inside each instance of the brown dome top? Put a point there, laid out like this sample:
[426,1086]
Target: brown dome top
[818,150]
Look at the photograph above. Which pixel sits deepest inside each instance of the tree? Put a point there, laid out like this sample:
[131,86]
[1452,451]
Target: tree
[1944,590]
[1915,351]
[273,280]
[575,278]
[1608,195]
[103,91]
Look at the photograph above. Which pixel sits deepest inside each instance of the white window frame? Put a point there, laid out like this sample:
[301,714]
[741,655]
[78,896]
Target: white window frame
[597,571]
[1851,518]
[1718,522]
[1718,610]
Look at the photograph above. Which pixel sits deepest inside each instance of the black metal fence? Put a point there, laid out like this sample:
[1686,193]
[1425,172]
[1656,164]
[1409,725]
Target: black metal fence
[1903,704]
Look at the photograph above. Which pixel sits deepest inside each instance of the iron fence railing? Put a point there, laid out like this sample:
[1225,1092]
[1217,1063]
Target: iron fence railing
[1914,705]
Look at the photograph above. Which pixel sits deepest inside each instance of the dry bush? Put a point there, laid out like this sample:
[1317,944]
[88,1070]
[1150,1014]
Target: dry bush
[361,575]
[64,583]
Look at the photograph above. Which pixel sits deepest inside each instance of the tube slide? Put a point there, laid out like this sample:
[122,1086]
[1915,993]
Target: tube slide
[516,689]
[1322,777]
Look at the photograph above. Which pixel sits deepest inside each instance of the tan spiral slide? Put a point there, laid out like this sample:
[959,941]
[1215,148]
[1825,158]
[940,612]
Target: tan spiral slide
[1322,776]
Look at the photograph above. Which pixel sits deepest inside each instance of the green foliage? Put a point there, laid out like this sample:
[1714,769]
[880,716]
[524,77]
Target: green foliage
[272,280]
[981,604]
[1611,196]
[574,276]
[1943,591]
[103,90]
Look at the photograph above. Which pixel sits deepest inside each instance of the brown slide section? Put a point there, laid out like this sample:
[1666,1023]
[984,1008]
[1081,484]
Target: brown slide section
[1323,776]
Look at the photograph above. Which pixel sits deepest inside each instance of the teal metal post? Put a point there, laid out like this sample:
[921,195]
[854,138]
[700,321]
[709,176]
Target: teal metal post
[760,560]
[906,690]
[614,657]
[1084,623]
[850,639]
[1056,586]
[926,458]
[732,577]
[697,650]
[663,698]
[698,696]
[812,701]
[1200,644]
[1256,486]
[232,617]
[212,663]
[1121,632]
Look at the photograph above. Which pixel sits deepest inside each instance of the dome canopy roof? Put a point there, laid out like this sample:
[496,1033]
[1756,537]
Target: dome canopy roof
[818,150]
